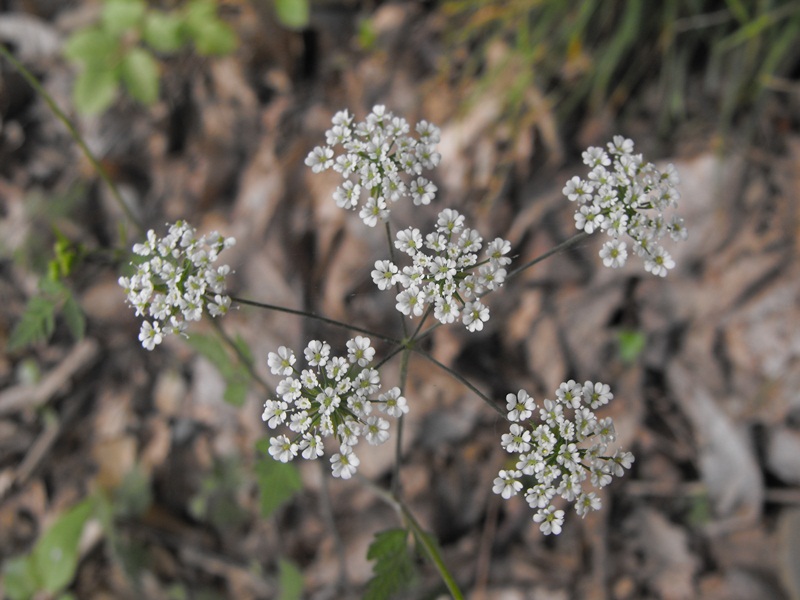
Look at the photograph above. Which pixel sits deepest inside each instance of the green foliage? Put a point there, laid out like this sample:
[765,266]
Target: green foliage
[236,375]
[630,344]
[568,55]
[293,14]
[38,320]
[290,580]
[277,481]
[51,565]
[394,568]
[119,50]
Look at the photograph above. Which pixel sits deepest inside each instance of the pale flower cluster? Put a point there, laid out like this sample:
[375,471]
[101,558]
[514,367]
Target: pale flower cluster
[379,158]
[334,396]
[626,196]
[445,271]
[560,446]
[177,281]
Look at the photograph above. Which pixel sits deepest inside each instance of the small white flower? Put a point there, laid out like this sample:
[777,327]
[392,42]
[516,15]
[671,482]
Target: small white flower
[507,483]
[320,158]
[344,463]
[282,448]
[281,363]
[550,520]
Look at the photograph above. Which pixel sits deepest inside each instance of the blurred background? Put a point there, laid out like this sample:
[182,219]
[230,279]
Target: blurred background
[133,474]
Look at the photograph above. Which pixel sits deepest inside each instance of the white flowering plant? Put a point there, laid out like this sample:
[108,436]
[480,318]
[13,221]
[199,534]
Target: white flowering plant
[326,404]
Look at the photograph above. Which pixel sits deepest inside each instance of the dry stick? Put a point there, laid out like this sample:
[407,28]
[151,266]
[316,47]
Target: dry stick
[61,116]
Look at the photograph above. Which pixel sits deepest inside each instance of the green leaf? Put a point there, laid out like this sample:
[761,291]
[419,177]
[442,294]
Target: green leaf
[55,555]
[277,481]
[121,15]
[236,391]
[74,317]
[393,569]
[631,344]
[95,90]
[36,324]
[163,32]
[92,47]
[293,14]
[20,579]
[212,349]
[140,74]
[214,38]
[290,580]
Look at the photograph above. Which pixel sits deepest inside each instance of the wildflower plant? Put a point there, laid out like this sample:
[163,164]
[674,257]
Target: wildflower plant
[558,448]
[177,281]
[335,396]
[326,404]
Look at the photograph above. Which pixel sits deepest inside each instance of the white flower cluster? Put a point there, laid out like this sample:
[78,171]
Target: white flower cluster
[333,396]
[376,153]
[176,281]
[449,277]
[624,195]
[560,452]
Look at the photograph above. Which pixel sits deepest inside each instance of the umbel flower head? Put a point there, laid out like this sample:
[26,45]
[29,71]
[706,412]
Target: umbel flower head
[334,396]
[378,157]
[177,281]
[627,197]
[559,447]
[445,271]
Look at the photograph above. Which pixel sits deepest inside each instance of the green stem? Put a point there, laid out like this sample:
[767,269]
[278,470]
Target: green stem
[311,315]
[422,537]
[399,439]
[61,116]
[575,239]
[433,553]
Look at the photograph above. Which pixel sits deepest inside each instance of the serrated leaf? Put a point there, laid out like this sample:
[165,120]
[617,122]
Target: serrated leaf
[293,14]
[74,317]
[20,579]
[95,90]
[55,555]
[393,569]
[121,15]
[36,324]
[140,73]
[277,481]
[163,32]
[290,580]
[92,47]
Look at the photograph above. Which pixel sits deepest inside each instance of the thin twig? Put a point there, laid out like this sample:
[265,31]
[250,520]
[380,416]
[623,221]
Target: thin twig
[575,239]
[310,315]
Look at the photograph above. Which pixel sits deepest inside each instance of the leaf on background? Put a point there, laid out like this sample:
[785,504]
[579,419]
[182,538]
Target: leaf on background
[92,47]
[393,569]
[277,481]
[55,555]
[121,15]
[74,317]
[210,35]
[36,324]
[290,580]
[95,90]
[236,377]
[163,32]
[631,343]
[293,14]
[140,73]
[20,579]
